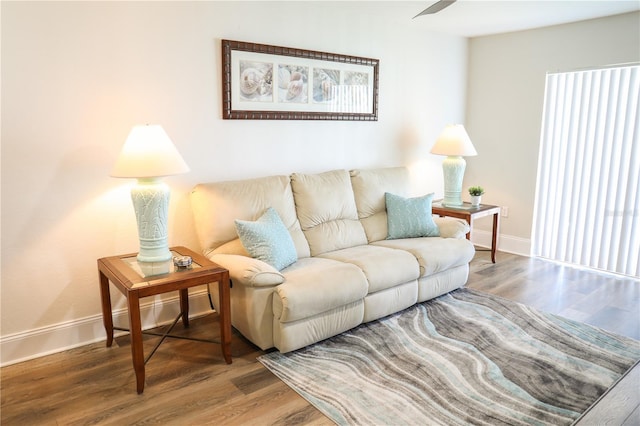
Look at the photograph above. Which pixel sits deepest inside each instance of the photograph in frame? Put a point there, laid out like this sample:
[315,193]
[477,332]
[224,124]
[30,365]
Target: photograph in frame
[265,82]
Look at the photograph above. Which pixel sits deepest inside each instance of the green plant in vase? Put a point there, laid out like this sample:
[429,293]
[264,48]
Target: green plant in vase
[476,195]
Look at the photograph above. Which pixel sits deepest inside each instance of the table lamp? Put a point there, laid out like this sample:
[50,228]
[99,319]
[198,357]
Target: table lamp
[148,154]
[453,142]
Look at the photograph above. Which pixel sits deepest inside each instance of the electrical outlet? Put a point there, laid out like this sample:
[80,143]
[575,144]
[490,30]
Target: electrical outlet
[504,211]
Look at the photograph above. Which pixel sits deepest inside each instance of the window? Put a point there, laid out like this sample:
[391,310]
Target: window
[587,208]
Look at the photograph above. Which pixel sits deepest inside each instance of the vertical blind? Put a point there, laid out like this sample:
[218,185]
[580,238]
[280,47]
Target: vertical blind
[587,207]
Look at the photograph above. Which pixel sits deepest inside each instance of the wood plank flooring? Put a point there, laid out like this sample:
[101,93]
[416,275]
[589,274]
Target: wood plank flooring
[189,383]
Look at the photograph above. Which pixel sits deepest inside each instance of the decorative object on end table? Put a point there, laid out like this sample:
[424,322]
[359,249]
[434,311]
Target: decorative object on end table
[182,262]
[262,82]
[148,154]
[476,195]
[454,142]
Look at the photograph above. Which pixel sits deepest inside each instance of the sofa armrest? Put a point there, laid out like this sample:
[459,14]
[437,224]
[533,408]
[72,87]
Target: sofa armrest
[451,227]
[248,271]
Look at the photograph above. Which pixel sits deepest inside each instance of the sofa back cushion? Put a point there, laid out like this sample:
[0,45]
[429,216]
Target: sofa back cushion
[217,205]
[369,187]
[327,211]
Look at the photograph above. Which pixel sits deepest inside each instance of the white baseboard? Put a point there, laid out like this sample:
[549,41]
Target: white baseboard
[61,337]
[506,243]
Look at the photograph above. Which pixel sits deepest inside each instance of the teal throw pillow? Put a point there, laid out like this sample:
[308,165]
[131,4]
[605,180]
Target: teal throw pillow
[267,239]
[410,217]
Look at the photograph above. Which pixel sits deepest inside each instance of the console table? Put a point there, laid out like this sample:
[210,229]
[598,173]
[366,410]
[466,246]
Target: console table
[469,213]
[136,280]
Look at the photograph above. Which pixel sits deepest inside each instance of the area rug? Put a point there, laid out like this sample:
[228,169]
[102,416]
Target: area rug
[463,358]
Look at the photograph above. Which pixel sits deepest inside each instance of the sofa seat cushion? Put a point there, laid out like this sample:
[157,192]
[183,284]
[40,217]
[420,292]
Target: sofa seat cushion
[316,285]
[434,254]
[384,267]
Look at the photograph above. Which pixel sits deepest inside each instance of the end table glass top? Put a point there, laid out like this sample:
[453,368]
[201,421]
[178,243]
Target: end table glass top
[150,269]
[464,206]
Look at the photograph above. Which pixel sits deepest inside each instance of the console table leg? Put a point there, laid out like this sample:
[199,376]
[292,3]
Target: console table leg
[225,316]
[107,316]
[184,306]
[494,239]
[135,326]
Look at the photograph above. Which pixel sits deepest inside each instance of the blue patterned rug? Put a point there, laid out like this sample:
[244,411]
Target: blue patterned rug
[463,358]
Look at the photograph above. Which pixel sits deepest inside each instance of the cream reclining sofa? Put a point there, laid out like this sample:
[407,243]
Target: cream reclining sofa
[347,272]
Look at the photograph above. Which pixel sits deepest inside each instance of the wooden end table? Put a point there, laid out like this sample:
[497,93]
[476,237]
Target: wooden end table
[469,213]
[136,280]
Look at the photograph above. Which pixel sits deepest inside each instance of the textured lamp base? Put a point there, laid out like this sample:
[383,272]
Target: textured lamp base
[151,204]
[453,170]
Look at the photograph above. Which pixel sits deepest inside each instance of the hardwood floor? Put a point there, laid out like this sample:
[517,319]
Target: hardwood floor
[606,301]
[189,383]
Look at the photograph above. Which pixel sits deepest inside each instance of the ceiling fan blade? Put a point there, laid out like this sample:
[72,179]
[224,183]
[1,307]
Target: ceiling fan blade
[436,7]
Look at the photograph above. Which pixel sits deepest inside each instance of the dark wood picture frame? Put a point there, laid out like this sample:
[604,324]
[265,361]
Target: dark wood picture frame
[264,82]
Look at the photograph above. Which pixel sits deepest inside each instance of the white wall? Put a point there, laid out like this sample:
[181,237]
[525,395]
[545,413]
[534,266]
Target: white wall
[505,99]
[77,76]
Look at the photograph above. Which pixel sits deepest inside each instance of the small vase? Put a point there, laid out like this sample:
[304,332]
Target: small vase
[475,200]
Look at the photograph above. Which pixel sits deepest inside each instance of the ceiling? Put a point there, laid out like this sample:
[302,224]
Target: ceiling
[471,18]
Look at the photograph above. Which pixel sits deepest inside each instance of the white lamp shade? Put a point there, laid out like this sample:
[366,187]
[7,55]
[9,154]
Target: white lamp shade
[454,141]
[148,152]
